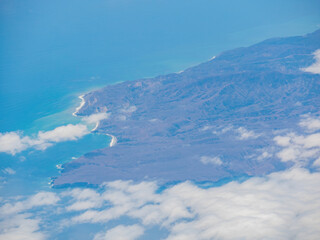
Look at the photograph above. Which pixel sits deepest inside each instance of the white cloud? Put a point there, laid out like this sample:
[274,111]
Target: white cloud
[264,155]
[211,160]
[205,128]
[255,209]
[283,141]
[17,224]
[311,124]
[39,199]
[121,233]
[125,111]
[315,67]
[63,133]
[9,171]
[298,148]
[19,227]
[124,196]
[15,142]
[95,118]
[220,131]
[154,120]
[282,205]
[84,199]
[245,134]
[301,148]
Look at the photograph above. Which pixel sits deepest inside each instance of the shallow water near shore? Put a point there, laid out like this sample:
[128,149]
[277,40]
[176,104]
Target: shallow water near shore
[52,53]
[34,169]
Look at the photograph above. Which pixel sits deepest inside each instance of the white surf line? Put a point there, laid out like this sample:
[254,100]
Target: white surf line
[95,128]
[51,183]
[59,166]
[81,105]
[113,140]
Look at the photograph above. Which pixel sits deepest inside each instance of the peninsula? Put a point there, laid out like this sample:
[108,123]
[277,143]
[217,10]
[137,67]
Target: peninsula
[213,121]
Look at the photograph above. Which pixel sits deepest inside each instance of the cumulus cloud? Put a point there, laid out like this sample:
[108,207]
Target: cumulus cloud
[20,226]
[298,148]
[245,134]
[15,142]
[83,199]
[124,196]
[310,123]
[255,209]
[39,199]
[62,133]
[282,205]
[211,160]
[125,112]
[95,118]
[121,233]
[315,67]
[16,223]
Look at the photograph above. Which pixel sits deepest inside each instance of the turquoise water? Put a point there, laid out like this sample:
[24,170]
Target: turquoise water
[54,51]
[34,169]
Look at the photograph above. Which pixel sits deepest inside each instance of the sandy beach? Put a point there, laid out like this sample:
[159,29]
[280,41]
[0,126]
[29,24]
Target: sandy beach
[80,106]
[96,127]
[113,140]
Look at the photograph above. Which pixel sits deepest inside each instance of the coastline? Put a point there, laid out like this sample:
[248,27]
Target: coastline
[113,140]
[96,127]
[83,102]
[80,106]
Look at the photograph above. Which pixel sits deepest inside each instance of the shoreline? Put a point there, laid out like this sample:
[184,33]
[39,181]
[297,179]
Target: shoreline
[80,106]
[96,127]
[113,140]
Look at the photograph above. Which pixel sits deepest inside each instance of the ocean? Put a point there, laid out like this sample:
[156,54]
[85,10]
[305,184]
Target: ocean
[54,51]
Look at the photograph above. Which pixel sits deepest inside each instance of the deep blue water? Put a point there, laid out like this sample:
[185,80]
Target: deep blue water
[53,51]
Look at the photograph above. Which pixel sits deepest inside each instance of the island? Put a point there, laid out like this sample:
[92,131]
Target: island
[211,122]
